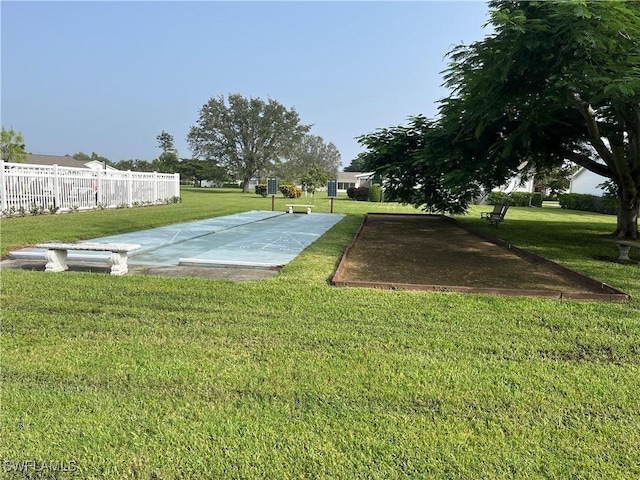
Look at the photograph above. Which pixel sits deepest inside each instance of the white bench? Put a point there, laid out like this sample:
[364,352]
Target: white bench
[56,254]
[624,246]
[292,206]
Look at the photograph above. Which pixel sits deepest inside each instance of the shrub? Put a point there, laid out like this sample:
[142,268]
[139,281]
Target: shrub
[536,199]
[261,189]
[35,209]
[375,193]
[351,192]
[516,199]
[519,199]
[290,191]
[361,194]
[495,198]
[231,185]
[589,203]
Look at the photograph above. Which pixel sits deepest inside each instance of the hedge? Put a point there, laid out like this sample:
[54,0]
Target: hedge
[589,203]
[261,189]
[516,199]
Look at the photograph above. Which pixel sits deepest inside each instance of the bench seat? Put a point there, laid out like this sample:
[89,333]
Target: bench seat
[291,206]
[624,246]
[56,254]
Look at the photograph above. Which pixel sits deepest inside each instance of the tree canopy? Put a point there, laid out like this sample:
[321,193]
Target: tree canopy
[311,153]
[555,81]
[358,164]
[165,143]
[168,160]
[84,157]
[248,136]
[12,146]
[418,167]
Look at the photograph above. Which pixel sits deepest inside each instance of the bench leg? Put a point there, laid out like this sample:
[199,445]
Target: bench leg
[290,209]
[56,261]
[118,262]
[624,252]
[308,210]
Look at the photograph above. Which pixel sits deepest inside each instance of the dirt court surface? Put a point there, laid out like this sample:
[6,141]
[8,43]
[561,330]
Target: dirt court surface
[435,252]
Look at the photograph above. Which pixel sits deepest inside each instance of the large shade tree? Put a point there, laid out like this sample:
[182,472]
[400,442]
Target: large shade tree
[245,135]
[554,81]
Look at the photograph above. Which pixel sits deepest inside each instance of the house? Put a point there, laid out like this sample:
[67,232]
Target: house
[518,184]
[586,182]
[354,179]
[346,180]
[65,161]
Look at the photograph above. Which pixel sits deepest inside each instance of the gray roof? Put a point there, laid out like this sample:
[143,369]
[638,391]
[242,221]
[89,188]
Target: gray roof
[60,160]
[347,177]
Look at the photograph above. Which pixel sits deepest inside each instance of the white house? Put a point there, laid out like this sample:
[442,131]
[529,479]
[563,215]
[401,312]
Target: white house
[518,184]
[586,182]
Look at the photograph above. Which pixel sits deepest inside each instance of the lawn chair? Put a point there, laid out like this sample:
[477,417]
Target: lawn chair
[497,215]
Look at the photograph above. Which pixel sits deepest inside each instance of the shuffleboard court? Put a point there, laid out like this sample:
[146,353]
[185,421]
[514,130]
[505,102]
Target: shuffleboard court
[259,239]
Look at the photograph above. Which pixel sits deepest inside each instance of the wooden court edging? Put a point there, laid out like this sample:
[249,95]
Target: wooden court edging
[605,293]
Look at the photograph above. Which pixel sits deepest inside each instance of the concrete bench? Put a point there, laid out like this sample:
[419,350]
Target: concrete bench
[292,206]
[56,254]
[624,246]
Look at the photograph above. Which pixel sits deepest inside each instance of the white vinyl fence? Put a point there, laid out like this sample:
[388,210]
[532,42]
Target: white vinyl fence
[27,187]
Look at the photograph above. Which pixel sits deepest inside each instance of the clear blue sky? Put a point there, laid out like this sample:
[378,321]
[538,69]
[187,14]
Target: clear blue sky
[108,77]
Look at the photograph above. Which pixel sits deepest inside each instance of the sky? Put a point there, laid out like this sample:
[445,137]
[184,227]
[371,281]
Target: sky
[108,77]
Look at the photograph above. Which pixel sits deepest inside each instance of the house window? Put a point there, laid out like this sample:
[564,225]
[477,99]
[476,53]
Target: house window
[345,185]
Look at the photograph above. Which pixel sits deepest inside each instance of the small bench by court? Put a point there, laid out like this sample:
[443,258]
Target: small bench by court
[292,206]
[56,254]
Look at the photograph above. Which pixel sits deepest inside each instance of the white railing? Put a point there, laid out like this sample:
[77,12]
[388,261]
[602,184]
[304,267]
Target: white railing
[27,187]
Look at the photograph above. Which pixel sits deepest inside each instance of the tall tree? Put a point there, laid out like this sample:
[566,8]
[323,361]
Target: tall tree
[245,135]
[168,159]
[311,152]
[12,146]
[165,143]
[556,81]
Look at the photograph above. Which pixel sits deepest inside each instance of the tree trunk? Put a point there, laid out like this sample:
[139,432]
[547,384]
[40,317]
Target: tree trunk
[628,214]
[245,185]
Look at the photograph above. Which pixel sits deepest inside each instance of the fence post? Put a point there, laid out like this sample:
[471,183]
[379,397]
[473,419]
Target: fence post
[176,186]
[129,189]
[3,187]
[99,189]
[155,188]
[56,187]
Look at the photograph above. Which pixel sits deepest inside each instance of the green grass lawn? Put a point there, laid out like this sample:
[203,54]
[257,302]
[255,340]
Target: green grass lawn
[150,377]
